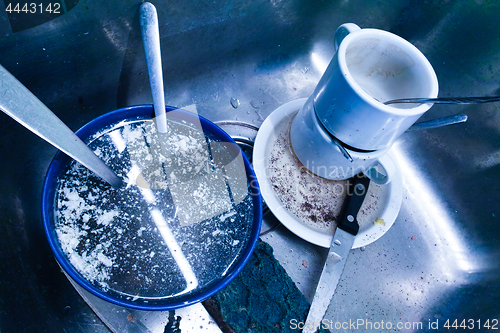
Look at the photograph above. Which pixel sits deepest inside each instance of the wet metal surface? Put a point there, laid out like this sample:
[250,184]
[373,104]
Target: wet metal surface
[240,60]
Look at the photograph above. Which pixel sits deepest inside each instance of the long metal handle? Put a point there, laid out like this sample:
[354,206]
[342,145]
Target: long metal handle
[439,122]
[151,41]
[19,103]
[447,100]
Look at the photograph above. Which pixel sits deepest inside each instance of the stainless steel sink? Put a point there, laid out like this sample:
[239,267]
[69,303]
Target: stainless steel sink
[439,262]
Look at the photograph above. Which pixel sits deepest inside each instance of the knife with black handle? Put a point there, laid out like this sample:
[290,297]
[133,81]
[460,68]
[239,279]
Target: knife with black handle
[347,229]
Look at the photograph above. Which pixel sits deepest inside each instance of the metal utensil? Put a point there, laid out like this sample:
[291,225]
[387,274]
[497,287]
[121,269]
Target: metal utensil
[434,123]
[151,42]
[342,241]
[337,143]
[438,122]
[24,107]
[447,100]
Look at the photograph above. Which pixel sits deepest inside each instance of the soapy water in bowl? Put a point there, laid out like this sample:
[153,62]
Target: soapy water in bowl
[180,222]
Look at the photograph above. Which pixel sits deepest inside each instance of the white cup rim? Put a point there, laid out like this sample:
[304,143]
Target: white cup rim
[403,44]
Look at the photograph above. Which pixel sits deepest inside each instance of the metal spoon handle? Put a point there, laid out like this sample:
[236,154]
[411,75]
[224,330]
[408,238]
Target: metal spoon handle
[151,42]
[447,100]
[439,122]
[20,104]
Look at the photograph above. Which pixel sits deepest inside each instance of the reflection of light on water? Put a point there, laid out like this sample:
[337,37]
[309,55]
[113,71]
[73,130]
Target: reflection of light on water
[440,228]
[118,140]
[166,233]
[175,249]
[135,178]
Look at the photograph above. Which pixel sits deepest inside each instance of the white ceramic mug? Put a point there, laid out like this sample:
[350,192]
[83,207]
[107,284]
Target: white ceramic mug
[317,151]
[370,67]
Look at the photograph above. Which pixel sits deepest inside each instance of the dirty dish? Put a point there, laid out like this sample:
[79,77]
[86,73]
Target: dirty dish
[307,204]
[180,230]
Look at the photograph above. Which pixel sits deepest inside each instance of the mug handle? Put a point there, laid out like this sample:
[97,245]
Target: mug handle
[390,168]
[342,31]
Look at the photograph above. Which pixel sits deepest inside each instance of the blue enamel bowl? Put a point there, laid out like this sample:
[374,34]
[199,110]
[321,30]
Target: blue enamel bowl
[147,266]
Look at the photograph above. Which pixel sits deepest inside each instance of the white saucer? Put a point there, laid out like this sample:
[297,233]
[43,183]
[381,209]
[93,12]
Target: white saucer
[386,208]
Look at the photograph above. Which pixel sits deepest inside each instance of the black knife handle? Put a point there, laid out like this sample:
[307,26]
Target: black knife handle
[356,192]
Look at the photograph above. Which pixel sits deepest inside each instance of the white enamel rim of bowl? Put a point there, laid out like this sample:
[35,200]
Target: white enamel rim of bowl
[367,233]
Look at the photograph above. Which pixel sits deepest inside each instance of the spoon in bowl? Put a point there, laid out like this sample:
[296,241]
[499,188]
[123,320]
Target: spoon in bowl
[25,108]
[151,42]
